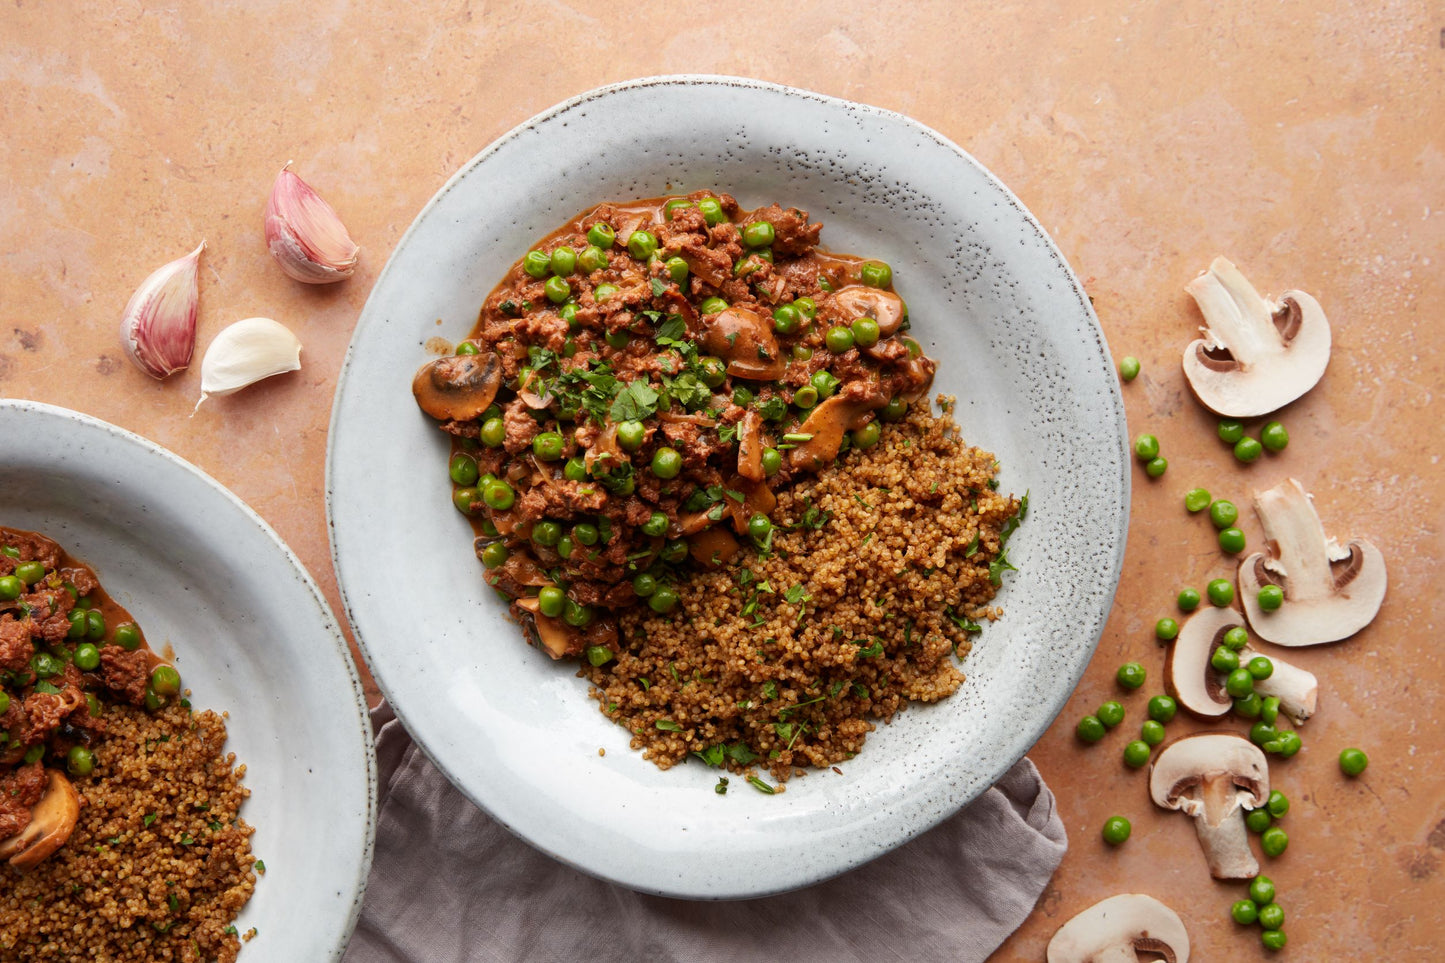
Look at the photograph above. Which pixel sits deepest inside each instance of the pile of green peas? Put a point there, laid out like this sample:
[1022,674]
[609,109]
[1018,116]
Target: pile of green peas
[1260,907]
[1146,449]
[1272,437]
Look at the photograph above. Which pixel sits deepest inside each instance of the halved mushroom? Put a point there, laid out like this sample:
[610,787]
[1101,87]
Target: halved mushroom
[1117,929]
[713,546]
[745,340]
[1330,592]
[1199,687]
[750,446]
[458,387]
[1214,777]
[825,425]
[1256,356]
[52,820]
[860,301]
[552,635]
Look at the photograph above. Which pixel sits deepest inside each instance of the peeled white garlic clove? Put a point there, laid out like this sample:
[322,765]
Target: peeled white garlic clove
[245,353]
[158,328]
[306,237]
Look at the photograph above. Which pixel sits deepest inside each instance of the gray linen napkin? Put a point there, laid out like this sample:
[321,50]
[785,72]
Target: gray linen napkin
[449,885]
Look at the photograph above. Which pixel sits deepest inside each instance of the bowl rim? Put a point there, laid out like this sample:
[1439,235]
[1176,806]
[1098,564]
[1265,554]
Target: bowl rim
[1052,707]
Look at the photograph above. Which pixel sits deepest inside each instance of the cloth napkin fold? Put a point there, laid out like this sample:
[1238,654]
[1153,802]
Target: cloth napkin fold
[449,885]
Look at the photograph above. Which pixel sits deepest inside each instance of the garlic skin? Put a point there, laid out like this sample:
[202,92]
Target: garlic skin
[245,353]
[304,234]
[158,327]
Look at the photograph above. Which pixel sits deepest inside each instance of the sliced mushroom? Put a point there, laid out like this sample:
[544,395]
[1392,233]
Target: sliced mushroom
[713,546]
[1330,592]
[745,340]
[758,499]
[826,424]
[52,820]
[1297,689]
[1117,929]
[860,301]
[458,387]
[1256,356]
[1188,676]
[552,635]
[1214,777]
[750,446]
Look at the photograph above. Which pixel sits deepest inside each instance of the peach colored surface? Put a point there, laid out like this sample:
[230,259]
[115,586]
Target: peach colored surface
[1305,141]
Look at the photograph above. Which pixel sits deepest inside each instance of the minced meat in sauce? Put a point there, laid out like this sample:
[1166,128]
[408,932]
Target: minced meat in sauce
[641,384]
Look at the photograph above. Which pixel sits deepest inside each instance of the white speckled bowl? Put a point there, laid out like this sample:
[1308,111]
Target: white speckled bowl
[990,297]
[252,635]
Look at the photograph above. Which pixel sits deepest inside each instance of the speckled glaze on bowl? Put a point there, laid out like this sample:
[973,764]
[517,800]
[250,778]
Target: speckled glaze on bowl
[253,636]
[990,297]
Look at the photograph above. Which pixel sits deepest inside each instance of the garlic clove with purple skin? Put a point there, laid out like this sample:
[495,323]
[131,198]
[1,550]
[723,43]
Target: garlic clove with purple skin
[304,234]
[245,353]
[158,327]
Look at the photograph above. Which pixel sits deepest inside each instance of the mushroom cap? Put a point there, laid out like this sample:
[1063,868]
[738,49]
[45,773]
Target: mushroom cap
[458,387]
[1256,356]
[745,340]
[52,820]
[1188,676]
[854,301]
[1330,591]
[551,635]
[1179,774]
[1117,927]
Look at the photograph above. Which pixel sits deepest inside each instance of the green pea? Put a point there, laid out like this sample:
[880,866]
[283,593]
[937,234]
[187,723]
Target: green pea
[1261,890]
[1231,430]
[127,636]
[563,261]
[598,655]
[498,495]
[1146,447]
[537,264]
[712,211]
[1162,708]
[1151,732]
[1353,761]
[825,382]
[1236,638]
[1129,368]
[742,397]
[805,397]
[575,469]
[1196,499]
[1188,599]
[1220,592]
[1262,732]
[1111,713]
[488,527]
[631,434]
[772,461]
[493,433]
[786,319]
[153,700]
[94,625]
[865,332]
[1166,629]
[759,234]
[759,526]
[807,307]
[1245,912]
[914,348]
[11,588]
[1249,707]
[644,584]
[876,274]
[1278,804]
[666,463]
[467,347]
[465,500]
[77,624]
[802,352]
[1090,729]
[1269,709]
[1273,436]
[617,339]
[463,469]
[601,234]
[1258,821]
[87,657]
[662,601]
[641,245]
[896,408]
[577,616]
[1116,830]
[674,205]
[593,258]
[558,290]
[603,291]
[1223,513]
[565,546]
[548,446]
[1286,744]
[166,681]
[1272,842]
[80,761]
[30,572]
[585,532]
[1270,597]
[1231,540]
[1136,754]
[674,551]
[677,269]
[1247,450]
[1224,659]
[838,339]
[655,526]
[1260,667]
[546,533]
[713,305]
[1155,467]
[712,371]
[1239,684]
[1273,939]
[45,665]
[4,705]
[1131,675]
[867,436]
[550,601]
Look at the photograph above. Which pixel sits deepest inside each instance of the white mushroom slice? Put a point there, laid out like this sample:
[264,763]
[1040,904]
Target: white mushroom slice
[1188,676]
[1296,689]
[1214,777]
[1330,592]
[1117,929]
[52,820]
[1256,356]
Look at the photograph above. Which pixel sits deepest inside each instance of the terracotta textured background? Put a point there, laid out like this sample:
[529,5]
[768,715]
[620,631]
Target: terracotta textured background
[1305,141]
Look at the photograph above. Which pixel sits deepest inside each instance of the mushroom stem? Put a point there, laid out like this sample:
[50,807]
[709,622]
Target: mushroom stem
[1226,842]
[1301,549]
[1296,689]
[1238,317]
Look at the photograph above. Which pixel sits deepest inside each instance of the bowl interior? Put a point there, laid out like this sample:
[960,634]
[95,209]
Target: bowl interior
[990,297]
[252,637]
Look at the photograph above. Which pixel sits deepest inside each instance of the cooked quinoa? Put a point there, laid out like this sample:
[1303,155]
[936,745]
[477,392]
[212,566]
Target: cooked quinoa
[878,573]
[160,862]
